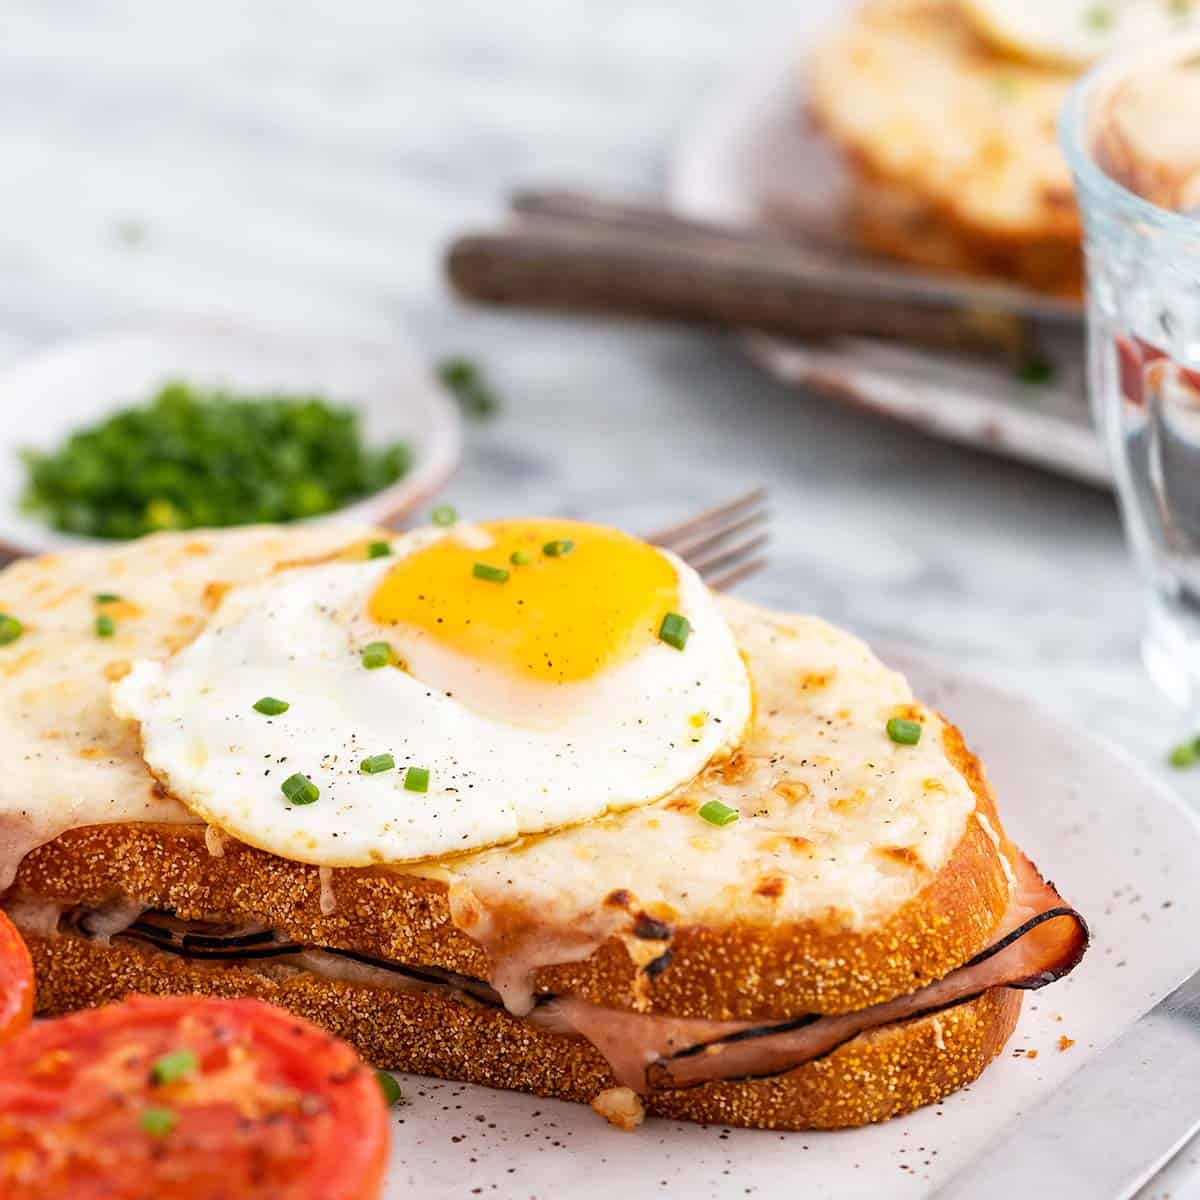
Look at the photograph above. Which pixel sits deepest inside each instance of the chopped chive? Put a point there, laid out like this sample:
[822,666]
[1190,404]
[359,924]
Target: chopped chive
[1036,369]
[444,515]
[390,1088]
[904,733]
[520,558]
[379,549]
[1099,17]
[1183,755]
[299,789]
[674,630]
[716,813]
[174,1066]
[10,629]
[416,779]
[376,655]
[559,548]
[465,379]
[376,764]
[158,1122]
[106,598]
[491,574]
[270,707]
[105,626]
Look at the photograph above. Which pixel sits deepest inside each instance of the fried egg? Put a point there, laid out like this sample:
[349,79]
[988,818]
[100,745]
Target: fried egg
[461,688]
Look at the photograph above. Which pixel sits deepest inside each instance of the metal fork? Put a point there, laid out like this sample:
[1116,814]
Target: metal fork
[722,543]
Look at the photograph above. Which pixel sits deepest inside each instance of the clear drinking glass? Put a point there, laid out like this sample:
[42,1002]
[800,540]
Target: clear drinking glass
[1131,133]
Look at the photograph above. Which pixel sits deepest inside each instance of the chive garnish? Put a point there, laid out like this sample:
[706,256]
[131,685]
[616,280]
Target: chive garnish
[173,1066]
[904,733]
[444,515]
[234,458]
[106,598]
[559,548]
[299,789]
[466,380]
[674,630]
[270,707]
[1183,755]
[376,655]
[10,629]
[520,558]
[390,1088]
[379,549]
[416,779]
[491,574]
[377,764]
[1036,369]
[105,626]
[158,1122]
[716,813]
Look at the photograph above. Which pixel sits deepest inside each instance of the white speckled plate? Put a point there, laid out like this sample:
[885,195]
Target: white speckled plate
[750,156]
[1121,847]
[71,384]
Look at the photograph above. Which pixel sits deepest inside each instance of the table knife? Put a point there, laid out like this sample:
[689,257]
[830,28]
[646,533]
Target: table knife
[567,251]
[1111,1126]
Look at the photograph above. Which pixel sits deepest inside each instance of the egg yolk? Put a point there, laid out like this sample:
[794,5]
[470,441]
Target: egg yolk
[534,613]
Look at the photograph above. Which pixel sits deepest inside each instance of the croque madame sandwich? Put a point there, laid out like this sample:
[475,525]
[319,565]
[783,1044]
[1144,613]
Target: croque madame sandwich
[522,804]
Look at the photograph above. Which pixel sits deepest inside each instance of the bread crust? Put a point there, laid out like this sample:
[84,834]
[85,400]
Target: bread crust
[742,971]
[880,1074]
[890,219]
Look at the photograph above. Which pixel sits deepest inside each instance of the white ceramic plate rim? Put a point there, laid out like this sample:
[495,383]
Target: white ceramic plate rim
[536,1147]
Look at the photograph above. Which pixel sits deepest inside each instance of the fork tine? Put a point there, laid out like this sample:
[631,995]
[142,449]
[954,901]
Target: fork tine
[696,545]
[728,556]
[723,581]
[673,533]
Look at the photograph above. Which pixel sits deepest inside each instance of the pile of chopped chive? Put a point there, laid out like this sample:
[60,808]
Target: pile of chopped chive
[195,457]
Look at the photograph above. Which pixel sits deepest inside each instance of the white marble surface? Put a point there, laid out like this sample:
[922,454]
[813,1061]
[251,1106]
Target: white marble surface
[304,163]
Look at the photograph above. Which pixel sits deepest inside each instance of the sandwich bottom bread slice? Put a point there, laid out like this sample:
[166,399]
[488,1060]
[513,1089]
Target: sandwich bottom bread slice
[853,945]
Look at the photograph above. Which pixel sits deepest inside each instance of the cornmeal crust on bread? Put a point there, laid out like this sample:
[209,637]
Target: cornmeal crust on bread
[859,871]
[952,146]
[880,1074]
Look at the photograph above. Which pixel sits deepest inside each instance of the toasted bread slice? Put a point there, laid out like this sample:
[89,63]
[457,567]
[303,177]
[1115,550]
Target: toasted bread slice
[859,870]
[878,1075]
[862,872]
[952,145]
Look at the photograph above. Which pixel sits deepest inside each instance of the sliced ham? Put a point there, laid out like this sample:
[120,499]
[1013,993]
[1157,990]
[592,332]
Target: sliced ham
[1039,940]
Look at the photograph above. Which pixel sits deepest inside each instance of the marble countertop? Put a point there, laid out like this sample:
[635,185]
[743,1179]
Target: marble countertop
[303,165]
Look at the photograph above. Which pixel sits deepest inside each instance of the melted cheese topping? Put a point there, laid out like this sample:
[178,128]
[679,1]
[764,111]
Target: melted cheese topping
[68,760]
[912,92]
[579,599]
[836,819]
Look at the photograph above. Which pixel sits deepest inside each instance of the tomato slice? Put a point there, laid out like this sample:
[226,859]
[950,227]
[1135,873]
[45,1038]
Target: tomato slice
[192,1098]
[16,981]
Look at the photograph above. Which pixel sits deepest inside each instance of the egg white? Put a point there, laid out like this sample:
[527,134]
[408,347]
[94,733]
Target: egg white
[505,757]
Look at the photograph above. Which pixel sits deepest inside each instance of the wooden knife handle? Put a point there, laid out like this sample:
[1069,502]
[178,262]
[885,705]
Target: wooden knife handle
[774,287]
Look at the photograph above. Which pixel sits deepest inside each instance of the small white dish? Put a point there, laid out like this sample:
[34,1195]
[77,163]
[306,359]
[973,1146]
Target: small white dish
[1119,844]
[69,385]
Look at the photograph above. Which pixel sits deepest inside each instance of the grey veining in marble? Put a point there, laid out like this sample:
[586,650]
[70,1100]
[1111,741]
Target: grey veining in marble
[304,164]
